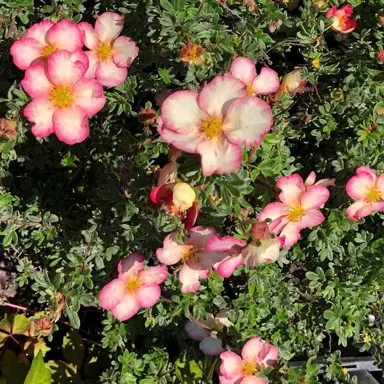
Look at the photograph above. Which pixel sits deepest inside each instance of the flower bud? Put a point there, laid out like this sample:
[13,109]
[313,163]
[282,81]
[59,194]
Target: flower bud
[183,196]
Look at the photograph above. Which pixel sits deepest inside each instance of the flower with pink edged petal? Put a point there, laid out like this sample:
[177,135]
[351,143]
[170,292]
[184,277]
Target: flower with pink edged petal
[298,208]
[367,189]
[44,38]
[256,355]
[310,181]
[206,331]
[110,56]
[134,288]
[232,249]
[62,99]
[216,123]
[342,21]
[264,247]
[265,83]
[197,259]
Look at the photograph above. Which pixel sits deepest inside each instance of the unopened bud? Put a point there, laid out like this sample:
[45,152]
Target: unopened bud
[183,196]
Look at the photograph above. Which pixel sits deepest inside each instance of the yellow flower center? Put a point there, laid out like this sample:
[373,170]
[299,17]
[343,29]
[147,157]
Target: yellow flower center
[296,214]
[212,127]
[48,49]
[191,255]
[374,194]
[104,51]
[133,285]
[250,90]
[249,369]
[61,96]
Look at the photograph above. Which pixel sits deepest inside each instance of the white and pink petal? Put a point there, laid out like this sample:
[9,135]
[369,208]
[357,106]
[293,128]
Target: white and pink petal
[124,51]
[266,82]
[153,275]
[25,52]
[36,82]
[65,35]
[89,95]
[243,69]
[127,308]
[112,294]
[148,296]
[110,75]
[40,111]
[90,38]
[108,26]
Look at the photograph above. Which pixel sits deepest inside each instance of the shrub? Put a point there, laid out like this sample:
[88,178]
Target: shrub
[207,153]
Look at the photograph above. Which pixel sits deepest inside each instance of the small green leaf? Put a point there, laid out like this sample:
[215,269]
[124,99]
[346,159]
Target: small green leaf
[38,374]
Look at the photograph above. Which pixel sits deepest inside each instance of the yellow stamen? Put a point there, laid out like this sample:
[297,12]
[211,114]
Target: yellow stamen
[373,195]
[104,51]
[250,90]
[191,255]
[212,127]
[48,49]
[61,96]
[133,285]
[249,369]
[296,214]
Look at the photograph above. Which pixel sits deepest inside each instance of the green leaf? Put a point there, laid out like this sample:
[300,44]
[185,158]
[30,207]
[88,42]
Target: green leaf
[73,317]
[38,374]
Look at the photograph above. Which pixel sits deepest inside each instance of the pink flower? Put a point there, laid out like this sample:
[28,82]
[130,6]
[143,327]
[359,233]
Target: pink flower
[342,21]
[216,123]
[134,288]
[380,55]
[256,355]
[62,99]
[44,38]
[231,248]
[297,210]
[368,190]
[205,331]
[197,258]
[265,83]
[179,199]
[110,56]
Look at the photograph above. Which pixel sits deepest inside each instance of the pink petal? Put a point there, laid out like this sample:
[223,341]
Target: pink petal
[131,265]
[226,243]
[226,267]
[40,111]
[273,211]
[311,218]
[354,211]
[266,82]
[327,182]
[268,355]
[65,35]
[210,259]
[124,51]
[376,207]
[186,142]
[268,251]
[251,350]
[199,236]
[211,346]
[380,183]
[36,82]
[231,365]
[358,186]
[181,112]
[108,26]
[291,232]
[247,121]
[253,380]
[347,9]
[71,124]
[82,57]
[148,296]
[291,195]
[243,69]
[190,278]
[89,95]
[366,169]
[332,11]
[62,70]
[93,61]
[153,275]
[195,332]
[112,294]
[172,251]
[310,180]
[218,95]
[219,157]
[235,380]
[127,308]
[109,75]
[90,38]
[38,31]
[25,51]
[162,194]
[287,181]
[316,197]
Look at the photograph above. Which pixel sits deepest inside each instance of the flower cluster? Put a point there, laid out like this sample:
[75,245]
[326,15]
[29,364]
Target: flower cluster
[65,82]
